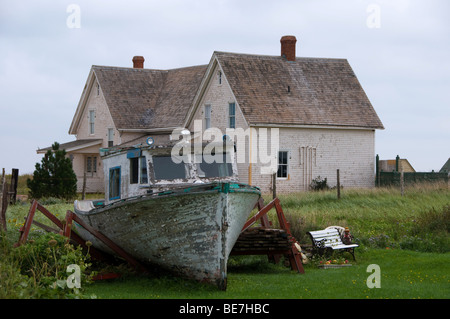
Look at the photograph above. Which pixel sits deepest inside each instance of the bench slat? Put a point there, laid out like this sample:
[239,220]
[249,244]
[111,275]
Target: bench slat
[331,238]
[345,246]
[332,231]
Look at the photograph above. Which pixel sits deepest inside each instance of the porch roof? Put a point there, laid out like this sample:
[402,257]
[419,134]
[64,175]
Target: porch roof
[73,146]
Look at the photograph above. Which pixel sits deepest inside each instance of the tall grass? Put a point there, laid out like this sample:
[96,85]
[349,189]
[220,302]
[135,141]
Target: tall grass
[379,217]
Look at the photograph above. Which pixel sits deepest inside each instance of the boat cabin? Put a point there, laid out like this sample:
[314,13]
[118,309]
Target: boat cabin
[145,169]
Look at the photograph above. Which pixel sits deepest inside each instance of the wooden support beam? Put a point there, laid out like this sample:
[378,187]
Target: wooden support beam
[25,229]
[46,228]
[65,229]
[273,251]
[94,252]
[110,244]
[50,216]
[263,211]
[68,224]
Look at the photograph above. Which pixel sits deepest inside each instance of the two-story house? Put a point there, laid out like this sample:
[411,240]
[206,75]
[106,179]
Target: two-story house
[308,115]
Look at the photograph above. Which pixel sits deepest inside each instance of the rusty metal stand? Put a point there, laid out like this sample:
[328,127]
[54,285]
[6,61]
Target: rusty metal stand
[293,254]
[65,229]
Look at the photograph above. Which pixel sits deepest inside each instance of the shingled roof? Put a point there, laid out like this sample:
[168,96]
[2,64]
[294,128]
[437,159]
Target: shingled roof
[307,91]
[270,90]
[142,99]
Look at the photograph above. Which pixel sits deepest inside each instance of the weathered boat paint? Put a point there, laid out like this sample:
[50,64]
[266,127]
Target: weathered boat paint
[190,232]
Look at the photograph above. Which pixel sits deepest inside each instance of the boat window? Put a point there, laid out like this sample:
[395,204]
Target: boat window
[144,177]
[215,166]
[165,168]
[114,182]
[134,170]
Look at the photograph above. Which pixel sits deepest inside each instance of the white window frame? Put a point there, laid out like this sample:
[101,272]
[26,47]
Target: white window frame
[207,116]
[232,116]
[110,137]
[288,159]
[91,122]
[92,160]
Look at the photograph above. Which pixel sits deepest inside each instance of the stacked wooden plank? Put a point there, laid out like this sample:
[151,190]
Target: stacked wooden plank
[260,240]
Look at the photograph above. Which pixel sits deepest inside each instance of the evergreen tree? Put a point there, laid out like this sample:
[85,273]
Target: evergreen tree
[54,176]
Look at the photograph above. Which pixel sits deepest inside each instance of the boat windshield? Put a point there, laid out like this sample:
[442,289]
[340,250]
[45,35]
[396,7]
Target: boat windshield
[219,165]
[165,168]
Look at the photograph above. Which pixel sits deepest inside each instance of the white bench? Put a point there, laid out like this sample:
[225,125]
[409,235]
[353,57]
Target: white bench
[330,239]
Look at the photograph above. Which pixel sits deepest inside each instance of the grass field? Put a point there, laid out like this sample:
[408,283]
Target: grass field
[403,275]
[406,236]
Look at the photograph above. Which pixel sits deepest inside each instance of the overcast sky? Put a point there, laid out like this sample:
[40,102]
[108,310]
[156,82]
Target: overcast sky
[399,50]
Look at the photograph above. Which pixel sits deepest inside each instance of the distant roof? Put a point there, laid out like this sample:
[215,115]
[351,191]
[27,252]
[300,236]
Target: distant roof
[148,99]
[308,91]
[72,146]
[446,167]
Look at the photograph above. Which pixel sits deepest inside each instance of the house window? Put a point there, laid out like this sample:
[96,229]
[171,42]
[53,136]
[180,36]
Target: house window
[143,164]
[114,182]
[98,89]
[110,137]
[207,116]
[134,170]
[91,164]
[165,168]
[232,115]
[91,122]
[220,77]
[282,164]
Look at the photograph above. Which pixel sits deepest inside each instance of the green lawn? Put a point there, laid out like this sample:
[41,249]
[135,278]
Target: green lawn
[403,275]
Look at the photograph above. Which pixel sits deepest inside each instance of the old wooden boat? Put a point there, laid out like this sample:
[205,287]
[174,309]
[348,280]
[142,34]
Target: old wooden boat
[184,217]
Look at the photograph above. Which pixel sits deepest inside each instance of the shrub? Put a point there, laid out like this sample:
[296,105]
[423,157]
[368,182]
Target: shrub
[54,177]
[319,184]
[38,269]
[433,221]
[13,284]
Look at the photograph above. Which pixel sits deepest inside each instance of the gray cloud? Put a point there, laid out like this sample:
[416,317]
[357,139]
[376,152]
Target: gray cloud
[403,65]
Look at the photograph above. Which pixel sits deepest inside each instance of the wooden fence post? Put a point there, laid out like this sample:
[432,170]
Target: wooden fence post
[402,182]
[83,192]
[3,202]
[274,185]
[13,186]
[338,185]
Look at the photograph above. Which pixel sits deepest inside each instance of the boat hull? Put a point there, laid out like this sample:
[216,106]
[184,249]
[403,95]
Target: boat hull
[190,232]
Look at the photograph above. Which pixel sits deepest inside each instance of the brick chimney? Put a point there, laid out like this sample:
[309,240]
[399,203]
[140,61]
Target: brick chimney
[138,62]
[288,47]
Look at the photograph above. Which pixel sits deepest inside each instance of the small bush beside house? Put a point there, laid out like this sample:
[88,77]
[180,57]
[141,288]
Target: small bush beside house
[54,176]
